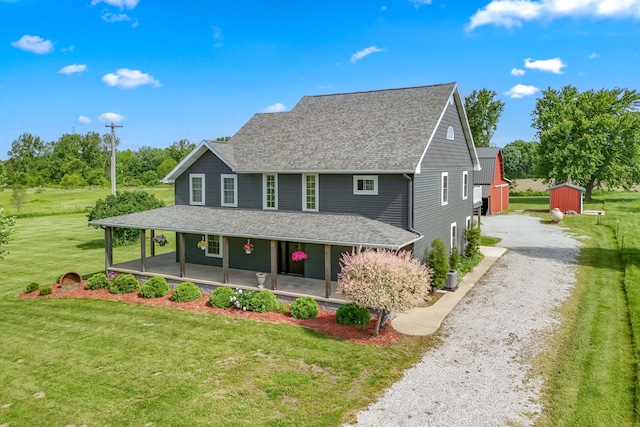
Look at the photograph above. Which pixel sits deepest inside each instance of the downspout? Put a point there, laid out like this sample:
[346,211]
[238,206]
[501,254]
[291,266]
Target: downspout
[410,205]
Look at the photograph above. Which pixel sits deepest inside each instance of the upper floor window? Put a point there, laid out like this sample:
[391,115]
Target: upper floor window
[365,184]
[229,190]
[444,189]
[214,246]
[196,189]
[270,191]
[310,192]
[450,132]
[465,185]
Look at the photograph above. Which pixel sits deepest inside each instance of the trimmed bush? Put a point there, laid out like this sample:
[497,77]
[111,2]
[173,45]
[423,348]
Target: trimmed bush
[473,240]
[155,287]
[439,264]
[282,308]
[353,315]
[221,297]
[97,281]
[304,308]
[124,284]
[33,286]
[243,298]
[454,259]
[186,291]
[262,302]
[45,290]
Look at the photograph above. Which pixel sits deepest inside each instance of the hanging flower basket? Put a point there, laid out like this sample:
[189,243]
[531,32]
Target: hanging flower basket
[160,239]
[298,256]
[248,247]
[202,244]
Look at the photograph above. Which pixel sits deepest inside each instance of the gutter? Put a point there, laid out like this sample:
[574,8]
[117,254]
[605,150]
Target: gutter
[410,208]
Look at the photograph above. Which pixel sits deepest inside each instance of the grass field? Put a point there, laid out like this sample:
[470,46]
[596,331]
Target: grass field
[104,363]
[592,365]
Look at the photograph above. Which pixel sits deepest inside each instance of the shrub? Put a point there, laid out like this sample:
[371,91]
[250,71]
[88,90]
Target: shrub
[242,299]
[155,287]
[282,308]
[454,259]
[45,290]
[384,280]
[473,240]
[124,284]
[186,291]
[437,260]
[97,281]
[263,301]
[221,297]
[304,308]
[352,314]
[33,286]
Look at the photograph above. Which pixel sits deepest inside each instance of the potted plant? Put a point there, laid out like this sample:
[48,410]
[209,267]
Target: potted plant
[248,247]
[202,244]
[160,239]
[298,256]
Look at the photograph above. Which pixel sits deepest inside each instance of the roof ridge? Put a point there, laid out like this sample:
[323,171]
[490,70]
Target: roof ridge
[379,90]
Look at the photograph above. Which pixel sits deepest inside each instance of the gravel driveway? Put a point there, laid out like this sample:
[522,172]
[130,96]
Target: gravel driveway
[478,375]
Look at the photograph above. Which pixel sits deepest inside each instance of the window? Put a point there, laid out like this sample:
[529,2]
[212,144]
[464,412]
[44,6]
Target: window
[450,132]
[365,184]
[467,223]
[465,185]
[269,191]
[214,246]
[310,193]
[454,235]
[444,189]
[228,190]
[196,189]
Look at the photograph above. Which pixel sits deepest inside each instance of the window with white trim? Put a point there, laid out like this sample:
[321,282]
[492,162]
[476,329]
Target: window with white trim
[444,188]
[467,223]
[450,132]
[196,189]
[454,235]
[365,184]
[270,191]
[229,190]
[310,192]
[465,185]
[214,246]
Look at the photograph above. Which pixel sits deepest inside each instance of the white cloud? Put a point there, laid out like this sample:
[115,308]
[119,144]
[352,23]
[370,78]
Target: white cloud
[594,55]
[365,52]
[275,108]
[419,3]
[111,117]
[217,33]
[517,72]
[129,79]
[122,4]
[33,44]
[520,91]
[554,65]
[74,68]
[383,8]
[85,120]
[511,13]
[114,17]
[68,49]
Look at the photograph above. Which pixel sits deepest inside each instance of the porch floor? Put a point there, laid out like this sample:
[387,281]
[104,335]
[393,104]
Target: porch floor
[209,277]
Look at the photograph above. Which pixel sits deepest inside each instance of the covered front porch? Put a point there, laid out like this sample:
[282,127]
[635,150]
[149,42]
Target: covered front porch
[211,277]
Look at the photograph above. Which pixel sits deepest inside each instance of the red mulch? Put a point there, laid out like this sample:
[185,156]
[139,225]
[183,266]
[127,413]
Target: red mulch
[325,322]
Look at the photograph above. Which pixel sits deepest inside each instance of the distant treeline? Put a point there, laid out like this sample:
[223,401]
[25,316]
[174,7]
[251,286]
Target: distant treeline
[521,159]
[76,160]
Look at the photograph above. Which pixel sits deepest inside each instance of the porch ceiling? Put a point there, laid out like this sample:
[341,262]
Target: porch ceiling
[308,227]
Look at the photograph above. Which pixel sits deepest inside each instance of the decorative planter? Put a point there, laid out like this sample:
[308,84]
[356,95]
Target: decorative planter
[556,215]
[247,251]
[261,278]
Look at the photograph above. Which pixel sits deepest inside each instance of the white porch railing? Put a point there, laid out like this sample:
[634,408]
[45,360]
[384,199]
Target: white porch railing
[477,194]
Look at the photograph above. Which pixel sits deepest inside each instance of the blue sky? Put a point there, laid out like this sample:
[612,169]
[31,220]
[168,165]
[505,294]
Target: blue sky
[170,70]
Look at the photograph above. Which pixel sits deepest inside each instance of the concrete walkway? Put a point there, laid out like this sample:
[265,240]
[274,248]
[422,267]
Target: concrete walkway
[427,320]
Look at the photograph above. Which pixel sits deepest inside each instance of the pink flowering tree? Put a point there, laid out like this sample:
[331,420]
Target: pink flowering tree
[384,280]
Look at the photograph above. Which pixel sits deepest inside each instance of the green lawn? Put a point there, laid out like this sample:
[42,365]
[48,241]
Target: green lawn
[109,363]
[592,362]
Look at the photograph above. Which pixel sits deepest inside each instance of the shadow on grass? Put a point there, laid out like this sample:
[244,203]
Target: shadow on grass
[92,244]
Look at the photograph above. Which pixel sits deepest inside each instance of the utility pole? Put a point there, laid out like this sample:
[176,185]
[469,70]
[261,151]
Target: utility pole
[113,156]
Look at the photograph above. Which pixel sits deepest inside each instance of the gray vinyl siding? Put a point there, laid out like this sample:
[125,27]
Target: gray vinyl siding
[250,191]
[195,255]
[289,192]
[210,165]
[452,156]
[314,264]
[389,205]
[258,260]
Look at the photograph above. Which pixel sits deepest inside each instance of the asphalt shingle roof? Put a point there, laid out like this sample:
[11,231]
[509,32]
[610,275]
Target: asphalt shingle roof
[385,130]
[308,227]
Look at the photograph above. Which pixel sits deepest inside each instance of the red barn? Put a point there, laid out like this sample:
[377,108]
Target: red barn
[495,187]
[566,197]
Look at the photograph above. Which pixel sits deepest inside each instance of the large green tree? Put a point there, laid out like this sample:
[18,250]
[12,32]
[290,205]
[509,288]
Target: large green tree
[520,159]
[483,113]
[7,224]
[592,136]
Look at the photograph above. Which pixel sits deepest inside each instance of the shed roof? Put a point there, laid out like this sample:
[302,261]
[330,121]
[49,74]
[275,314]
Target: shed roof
[487,157]
[308,227]
[377,131]
[567,184]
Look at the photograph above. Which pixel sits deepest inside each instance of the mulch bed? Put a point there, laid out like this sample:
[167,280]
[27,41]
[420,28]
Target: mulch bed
[325,322]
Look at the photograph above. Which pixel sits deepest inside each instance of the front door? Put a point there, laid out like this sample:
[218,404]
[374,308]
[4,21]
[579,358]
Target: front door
[286,264]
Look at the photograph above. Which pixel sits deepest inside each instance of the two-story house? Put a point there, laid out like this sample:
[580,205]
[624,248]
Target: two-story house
[381,169]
